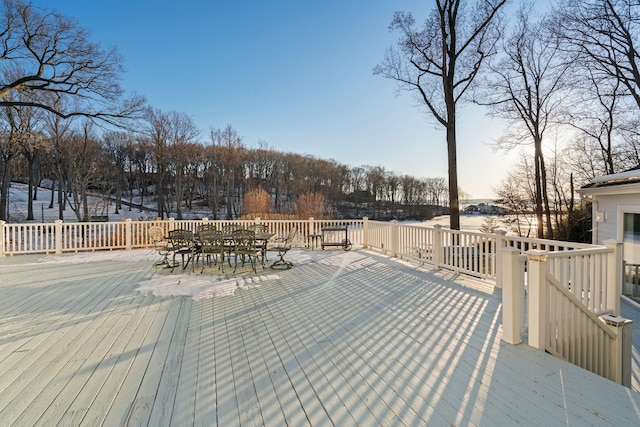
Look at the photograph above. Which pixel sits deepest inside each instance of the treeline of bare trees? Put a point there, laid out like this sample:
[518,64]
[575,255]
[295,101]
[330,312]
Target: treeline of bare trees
[169,167]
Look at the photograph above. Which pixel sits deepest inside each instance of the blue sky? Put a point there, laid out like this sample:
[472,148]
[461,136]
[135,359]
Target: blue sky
[296,75]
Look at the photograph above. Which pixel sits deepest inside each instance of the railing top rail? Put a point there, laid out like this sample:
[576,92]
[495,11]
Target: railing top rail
[546,242]
[570,252]
[505,237]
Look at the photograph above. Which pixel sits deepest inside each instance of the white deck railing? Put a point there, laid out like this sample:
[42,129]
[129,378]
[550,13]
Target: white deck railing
[61,237]
[572,306]
[564,298]
[467,252]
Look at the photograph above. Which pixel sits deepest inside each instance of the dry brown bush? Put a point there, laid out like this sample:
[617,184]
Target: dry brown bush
[311,205]
[256,201]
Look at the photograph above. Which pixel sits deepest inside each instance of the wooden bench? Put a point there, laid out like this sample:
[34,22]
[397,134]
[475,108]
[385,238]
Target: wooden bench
[99,218]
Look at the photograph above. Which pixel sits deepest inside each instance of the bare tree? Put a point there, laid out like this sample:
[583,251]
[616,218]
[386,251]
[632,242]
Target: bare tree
[231,152]
[629,150]
[516,193]
[440,62]
[17,131]
[604,36]
[117,149]
[595,114]
[57,131]
[45,56]
[32,149]
[142,162]
[586,157]
[158,134]
[82,151]
[605,33]
[182,134]
[526,88]
[437,190]
[375,179]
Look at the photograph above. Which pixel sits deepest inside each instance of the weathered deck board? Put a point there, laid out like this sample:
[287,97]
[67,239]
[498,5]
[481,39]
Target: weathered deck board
[103,390]
[274,349]
[71,378]
[164,399]
[205,405]
[344,338]
[183,409]
[97,392]
[46,358]
[144,403]
[57,300]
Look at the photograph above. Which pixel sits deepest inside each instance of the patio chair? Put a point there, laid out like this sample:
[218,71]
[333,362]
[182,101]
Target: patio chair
[261,244]
[156,234]
[230,228]
[259,228]
[245,247]
[181,243]
[227,230]
[282,246]
[211,243]
[205,227]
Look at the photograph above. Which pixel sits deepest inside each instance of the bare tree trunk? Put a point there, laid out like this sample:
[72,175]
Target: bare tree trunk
[545,198]
[4,190]
[85,204]
[160,191]
[179,183]
[53,192]
[454,206]
[30,190]
[538,189]
[61,200]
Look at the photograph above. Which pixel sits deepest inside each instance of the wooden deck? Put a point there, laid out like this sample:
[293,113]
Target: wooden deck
[344,338]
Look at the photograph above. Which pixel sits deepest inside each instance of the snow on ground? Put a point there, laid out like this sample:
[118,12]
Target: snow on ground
[18,202]
[18,211]
[467,221]
[212,282]
[100,256]
[202,286]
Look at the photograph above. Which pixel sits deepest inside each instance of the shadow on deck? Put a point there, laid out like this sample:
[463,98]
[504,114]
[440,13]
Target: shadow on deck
[344,338]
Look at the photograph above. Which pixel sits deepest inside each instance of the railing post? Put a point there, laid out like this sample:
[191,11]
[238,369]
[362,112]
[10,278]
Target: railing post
[58,228]
[395,238]
[2,236]
[621,348]
[365,232]
[172,224]
[128,232]
[499,245]
[311,230]
[511,295]
[437,245]
[537,268]
[614,276]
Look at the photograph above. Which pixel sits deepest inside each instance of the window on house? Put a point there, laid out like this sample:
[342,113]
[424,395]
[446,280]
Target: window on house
[631,238]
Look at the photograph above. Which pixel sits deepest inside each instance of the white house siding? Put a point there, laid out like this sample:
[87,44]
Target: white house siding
[613,206]
[612,197]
